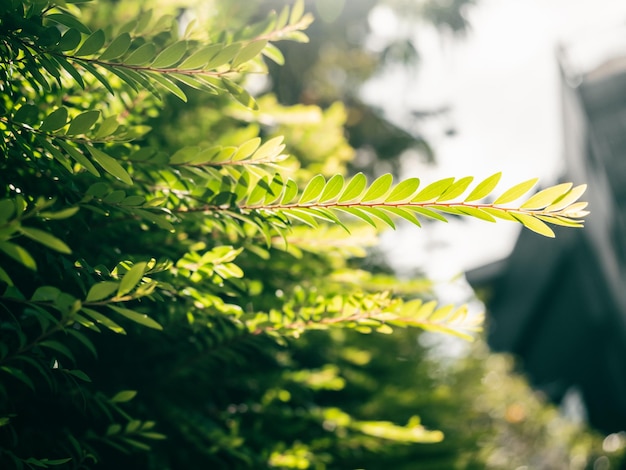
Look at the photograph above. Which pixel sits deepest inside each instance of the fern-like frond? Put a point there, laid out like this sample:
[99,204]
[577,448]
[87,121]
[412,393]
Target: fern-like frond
[381,201]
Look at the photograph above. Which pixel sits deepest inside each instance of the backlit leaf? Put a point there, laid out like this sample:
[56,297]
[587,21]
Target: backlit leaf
[378,188]
[46,239]
[547,196]
[332,189]
[433,190]
[404,190]
[534,224]
[484,188]
[354,188]
[313,189]
[101,290]
[131,278]
[516,191]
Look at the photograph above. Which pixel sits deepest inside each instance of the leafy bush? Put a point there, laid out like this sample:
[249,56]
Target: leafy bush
[157,284]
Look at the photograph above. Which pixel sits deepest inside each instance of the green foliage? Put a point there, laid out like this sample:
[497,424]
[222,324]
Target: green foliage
[152,295]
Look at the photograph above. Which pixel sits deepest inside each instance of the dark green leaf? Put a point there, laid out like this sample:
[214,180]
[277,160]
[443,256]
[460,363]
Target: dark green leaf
[142,55]
[140,318]
[55,120]
[19,254]
[83,122]
[92,44]
[117,48]
[110,165]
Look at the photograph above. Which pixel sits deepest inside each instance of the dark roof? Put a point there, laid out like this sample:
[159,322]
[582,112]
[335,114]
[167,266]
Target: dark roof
[560,305]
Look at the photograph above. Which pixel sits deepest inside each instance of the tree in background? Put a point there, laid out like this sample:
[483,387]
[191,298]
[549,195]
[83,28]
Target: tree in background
[172,281]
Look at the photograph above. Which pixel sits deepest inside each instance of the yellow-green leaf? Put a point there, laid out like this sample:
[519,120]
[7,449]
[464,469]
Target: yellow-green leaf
[546,197]
[46,239]
[516,191]
[131,278]
[484,188]
[354,188]
[534,224]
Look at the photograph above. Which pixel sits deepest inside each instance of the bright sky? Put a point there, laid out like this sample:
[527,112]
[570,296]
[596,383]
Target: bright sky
[502,83]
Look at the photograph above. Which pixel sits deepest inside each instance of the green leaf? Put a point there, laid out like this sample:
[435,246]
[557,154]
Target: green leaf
[546,197]
[27,114]
[117,48]
[68,20]
[83,122]
[403,213]
[92,44]
[107,127]
[245,150]
[55,120]
[291,191]
[58,347]
[378,188]
[103,320]
[380,214]
[101,290]
[273,53]
[124,396]
[433,190]
[303,215]
[142,55]
[110,165]
[82,376]
[456,189]
[567,199]
[296,12]
[45,294]
[332,189]
[169,85]
[354,188]
[404,191]
[223,56]
[170,55]
[19,254]
[131,278]
[313,189]
[200,57]
[359,214]
[240,94]
[484,188]
[534,224]
[19,375]
[516,191]
[140,318]
[476,212]
[248,52]
[79,157]
[70,40]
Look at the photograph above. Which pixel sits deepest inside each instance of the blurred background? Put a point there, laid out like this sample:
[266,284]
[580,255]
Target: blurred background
[437,88]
